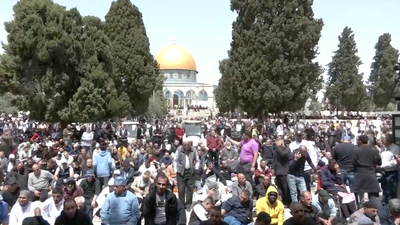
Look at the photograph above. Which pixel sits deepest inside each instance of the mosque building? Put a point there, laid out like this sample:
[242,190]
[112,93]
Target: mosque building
[181,87]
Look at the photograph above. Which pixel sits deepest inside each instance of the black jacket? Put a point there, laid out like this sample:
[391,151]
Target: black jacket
[343,153]
[171,208]
[281,161]
[80,218]
[35,220]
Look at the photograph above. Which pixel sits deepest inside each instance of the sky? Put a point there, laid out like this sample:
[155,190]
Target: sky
[204,27]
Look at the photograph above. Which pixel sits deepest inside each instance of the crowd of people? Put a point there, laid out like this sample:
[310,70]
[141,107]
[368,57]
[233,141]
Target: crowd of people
[325,172]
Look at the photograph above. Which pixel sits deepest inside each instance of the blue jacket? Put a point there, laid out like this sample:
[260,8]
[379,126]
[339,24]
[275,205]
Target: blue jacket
[3,211]
[103,164]
[385,217]
[329,179]
[121,210]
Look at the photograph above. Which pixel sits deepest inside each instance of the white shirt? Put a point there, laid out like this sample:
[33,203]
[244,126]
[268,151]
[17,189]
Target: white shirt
[87,139]
[18,214]
[50,211]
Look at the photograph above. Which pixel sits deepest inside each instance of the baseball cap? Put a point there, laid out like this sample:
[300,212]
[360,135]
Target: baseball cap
[117,172]
[119,181]
[11,156]
[324,195]
[347,137]
[12,180]
[69,180]
[90,173]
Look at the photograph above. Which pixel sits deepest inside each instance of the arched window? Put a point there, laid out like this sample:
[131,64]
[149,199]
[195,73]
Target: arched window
[179,93]
[203,95]
[190,94]
[167,94]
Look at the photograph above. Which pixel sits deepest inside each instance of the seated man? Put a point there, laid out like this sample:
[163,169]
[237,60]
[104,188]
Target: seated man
[309,209]
[263,219]
[216,190]
[141,184]
[214,217]
[298,216]
[333,181]
[326,208]
[200,211]
[369,210]
[390,213]
[53,207]
[241,185]
[212,173]
[271,205]
[238,208]
[263,186]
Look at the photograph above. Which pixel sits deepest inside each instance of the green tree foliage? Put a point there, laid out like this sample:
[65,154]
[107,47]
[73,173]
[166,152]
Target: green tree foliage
[157,105]
[135,71]
[382,77]
[345,89]
[6,105]
[223,93]
[57,63]
[270,63]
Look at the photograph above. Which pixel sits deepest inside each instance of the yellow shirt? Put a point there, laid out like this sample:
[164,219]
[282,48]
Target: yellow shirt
[275,211]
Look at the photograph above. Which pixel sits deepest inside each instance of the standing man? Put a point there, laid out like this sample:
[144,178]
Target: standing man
[186,163]
[389,166]
[87,140]
[120,206]
[213,145]
[365,160]
[248,156]
[343,153]
[161,205]
[295,177]
[281,168]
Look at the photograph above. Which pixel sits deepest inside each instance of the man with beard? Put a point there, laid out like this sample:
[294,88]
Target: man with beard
[10,195]
[298,217]
[309,209]
[72,216]
[87,166]
[51,166]
[121,206]
[70,190]
[23,209]
[370,210]
[52,207]
[271,205]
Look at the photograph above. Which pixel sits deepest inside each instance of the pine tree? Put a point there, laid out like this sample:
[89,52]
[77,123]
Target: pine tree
[270,63]
[62,75]
[382,77]
[345,89]
[224,95]
[135,71]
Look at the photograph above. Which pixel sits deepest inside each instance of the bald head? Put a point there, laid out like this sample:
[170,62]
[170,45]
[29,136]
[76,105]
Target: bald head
[306,198]
[305,194]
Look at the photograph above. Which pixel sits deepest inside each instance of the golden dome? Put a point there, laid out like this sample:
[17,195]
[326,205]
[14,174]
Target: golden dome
[175,57]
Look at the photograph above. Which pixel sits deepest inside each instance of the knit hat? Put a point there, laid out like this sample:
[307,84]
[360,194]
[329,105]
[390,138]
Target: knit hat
[323,194]
[371,204]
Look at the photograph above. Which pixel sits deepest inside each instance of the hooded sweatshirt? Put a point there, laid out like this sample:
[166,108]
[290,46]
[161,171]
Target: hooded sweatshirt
[103,163]
[276,210]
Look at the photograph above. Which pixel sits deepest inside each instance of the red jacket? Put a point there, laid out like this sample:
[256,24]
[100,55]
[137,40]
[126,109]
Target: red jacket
[179,132]
[213,142]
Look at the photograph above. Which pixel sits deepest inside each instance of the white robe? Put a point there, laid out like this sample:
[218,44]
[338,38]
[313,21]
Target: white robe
[50,211]
[18,214]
